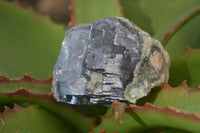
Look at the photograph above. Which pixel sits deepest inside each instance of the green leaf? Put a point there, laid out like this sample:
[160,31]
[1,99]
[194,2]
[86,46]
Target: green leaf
[37,92]
[185,67]
[183,34]
[93,111]
[170,30]
[182,97]
[174,108]
[42,86]
[47,101]
[152,16]
[87,11]
[32,119]
[28,43]
[138,118]
[158,17]
[37,87]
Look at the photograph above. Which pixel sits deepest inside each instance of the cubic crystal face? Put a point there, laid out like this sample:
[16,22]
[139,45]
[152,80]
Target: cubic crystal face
[111,59]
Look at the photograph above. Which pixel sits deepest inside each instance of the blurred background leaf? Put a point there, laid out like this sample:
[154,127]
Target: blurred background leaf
[188,35]
[157,17]
[28,43]
[139,119]
[91,10]
[32,119]
[152,16]
[186,67]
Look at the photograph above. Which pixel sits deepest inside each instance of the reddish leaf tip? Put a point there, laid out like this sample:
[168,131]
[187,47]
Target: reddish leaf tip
[188,48]
[2,78]
[23,92]
[169,110]
[50,94]
[120,122]
[104,131]
[25,78]
[184,84]
[198,87]
[166,85]
[21,88]
[173,109]
[118,110]
[132,105]
[9,110]
[148,104]
[197,115]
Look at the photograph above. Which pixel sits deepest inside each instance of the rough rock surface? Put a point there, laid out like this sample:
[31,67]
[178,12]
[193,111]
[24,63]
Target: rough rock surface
[111,59]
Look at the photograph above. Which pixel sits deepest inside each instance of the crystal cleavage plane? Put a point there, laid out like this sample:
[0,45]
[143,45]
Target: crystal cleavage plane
[110,59]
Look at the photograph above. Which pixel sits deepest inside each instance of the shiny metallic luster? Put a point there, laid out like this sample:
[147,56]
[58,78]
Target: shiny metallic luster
[110,59]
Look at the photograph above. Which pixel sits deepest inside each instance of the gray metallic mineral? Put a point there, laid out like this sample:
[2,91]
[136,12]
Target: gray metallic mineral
[110,59]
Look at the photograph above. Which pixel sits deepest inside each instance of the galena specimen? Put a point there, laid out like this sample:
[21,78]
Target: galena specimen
[110,59]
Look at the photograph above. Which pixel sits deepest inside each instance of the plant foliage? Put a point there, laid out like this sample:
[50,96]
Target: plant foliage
[30,43]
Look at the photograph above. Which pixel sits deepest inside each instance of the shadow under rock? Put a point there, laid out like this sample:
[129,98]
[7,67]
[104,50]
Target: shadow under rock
[150,98]
[178,73]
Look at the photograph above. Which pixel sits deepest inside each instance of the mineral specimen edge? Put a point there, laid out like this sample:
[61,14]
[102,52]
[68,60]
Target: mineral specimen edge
[110,59]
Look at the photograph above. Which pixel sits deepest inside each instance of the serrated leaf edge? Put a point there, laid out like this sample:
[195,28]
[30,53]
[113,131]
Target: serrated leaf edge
[7,111]
[180,24]
[167,109]
[25,78]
